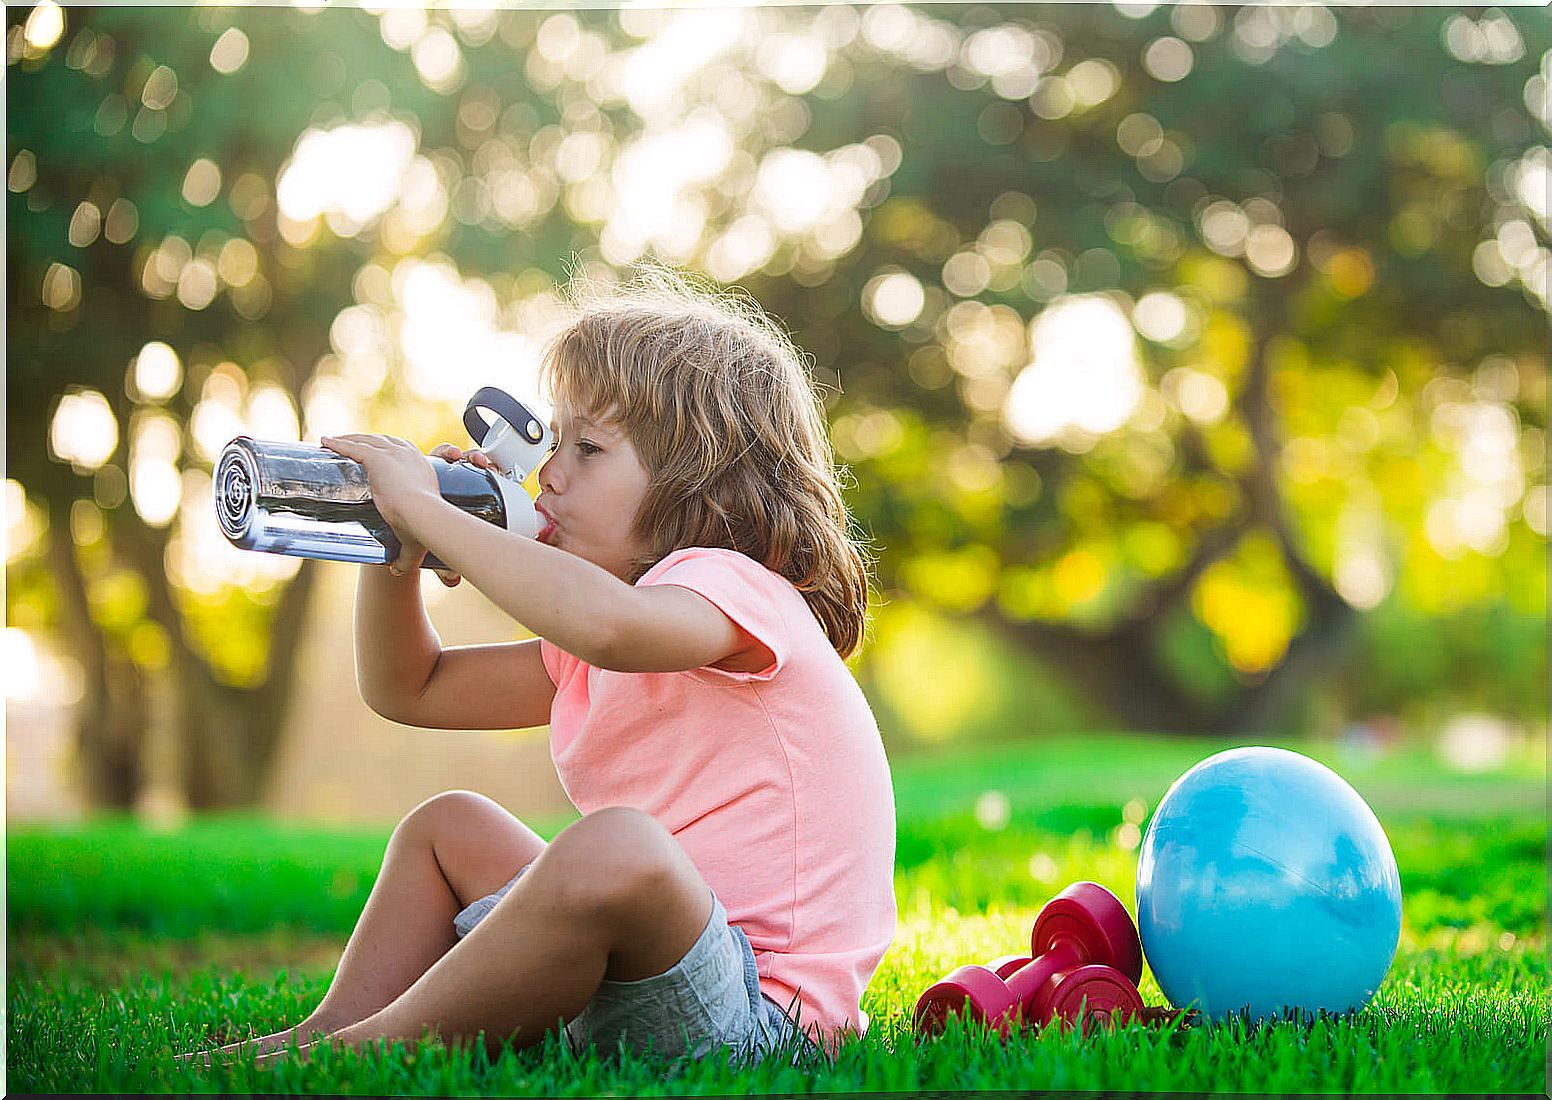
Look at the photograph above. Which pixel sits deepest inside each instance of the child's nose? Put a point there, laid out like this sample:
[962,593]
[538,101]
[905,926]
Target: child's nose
[547,473]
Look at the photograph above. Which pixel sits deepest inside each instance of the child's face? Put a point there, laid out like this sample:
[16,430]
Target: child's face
[590,487]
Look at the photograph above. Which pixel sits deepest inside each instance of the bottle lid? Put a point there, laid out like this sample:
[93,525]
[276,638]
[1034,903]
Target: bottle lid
[516,441]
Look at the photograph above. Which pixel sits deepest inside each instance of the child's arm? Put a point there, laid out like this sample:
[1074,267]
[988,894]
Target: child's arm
[582,607]
[396,646]
[557,595]
[405,675]
[665,628]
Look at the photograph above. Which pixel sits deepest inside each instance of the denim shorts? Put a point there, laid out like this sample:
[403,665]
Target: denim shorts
[709,999]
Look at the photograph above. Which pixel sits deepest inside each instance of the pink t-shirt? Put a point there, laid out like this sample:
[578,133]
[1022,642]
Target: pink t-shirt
[775,782]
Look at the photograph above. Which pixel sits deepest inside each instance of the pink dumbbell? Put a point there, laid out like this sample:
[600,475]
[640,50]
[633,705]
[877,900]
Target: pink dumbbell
[1080,995]
[1084,950]
[1083,995]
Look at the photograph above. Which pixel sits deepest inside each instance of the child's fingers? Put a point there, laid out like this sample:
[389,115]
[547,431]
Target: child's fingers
[447,451]
[449,578]
[362,441]
[407,562]
[351,446]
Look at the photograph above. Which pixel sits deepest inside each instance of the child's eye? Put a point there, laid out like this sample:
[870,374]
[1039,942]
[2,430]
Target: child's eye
[588,449]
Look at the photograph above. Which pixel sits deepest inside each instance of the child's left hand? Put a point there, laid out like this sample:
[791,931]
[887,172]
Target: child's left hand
[396,473]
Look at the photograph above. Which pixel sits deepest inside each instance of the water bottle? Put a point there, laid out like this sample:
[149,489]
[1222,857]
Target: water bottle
[309,502]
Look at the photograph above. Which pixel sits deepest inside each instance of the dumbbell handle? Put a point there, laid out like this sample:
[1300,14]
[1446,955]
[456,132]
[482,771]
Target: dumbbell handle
[1030,978]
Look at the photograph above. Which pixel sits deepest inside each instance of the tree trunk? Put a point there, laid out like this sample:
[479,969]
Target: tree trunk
[1266,707]
[228,735]
[1269,706]
[111,717]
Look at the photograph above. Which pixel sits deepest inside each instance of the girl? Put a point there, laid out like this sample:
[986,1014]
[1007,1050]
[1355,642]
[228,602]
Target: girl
[730,881]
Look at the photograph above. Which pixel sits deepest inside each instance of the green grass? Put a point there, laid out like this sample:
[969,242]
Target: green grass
[125,946]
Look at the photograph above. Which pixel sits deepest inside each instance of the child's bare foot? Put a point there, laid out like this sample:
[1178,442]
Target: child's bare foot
[264,1061]
[263,1045]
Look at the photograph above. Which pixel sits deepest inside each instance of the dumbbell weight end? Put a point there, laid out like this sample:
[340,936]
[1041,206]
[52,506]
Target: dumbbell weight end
[971,991]
[1085,996]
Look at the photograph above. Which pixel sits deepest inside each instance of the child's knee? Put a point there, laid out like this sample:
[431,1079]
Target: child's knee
[614,855]
[447,811]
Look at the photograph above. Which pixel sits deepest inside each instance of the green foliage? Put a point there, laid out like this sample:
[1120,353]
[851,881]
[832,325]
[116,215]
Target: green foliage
[978,689]
[1192,652]
[1488,657]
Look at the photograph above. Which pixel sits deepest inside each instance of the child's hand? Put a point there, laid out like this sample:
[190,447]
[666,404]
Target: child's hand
[396,471]
[449,453]
[452,454]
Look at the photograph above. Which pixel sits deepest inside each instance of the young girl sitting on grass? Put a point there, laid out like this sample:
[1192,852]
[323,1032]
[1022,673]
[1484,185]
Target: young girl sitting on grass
[730,881]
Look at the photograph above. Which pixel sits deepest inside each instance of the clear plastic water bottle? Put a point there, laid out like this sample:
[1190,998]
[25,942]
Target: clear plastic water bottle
[310,502]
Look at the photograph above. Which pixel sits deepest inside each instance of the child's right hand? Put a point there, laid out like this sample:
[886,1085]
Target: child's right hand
[449,453]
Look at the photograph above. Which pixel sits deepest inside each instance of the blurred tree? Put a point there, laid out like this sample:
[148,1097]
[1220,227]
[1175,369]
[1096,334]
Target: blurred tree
[1331,234]
[121,140]
[1171,339]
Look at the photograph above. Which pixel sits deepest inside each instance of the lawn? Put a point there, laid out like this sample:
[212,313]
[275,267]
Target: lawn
[126,945]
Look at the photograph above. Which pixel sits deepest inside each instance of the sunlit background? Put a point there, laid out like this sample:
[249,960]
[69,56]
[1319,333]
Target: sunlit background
[1143,352]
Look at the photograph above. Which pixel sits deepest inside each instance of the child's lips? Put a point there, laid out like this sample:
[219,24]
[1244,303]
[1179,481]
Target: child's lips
[547,527]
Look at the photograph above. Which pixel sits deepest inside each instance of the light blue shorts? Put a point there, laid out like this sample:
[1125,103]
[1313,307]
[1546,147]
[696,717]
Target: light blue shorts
[708,999]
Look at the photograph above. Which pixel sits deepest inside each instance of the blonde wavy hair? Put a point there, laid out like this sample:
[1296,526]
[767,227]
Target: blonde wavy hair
[722,411]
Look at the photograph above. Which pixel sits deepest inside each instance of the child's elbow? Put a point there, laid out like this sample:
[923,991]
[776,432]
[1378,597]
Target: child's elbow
[380,704]
[380,708]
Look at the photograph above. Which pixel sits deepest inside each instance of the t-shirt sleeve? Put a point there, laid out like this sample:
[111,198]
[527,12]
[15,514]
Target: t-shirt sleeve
[743,590]
[555,659]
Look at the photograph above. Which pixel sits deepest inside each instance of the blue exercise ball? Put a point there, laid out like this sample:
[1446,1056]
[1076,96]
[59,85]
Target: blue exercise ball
[1265,883]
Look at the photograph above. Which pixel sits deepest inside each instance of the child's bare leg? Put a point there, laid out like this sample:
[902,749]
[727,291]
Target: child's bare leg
[614,896]
[453,848]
